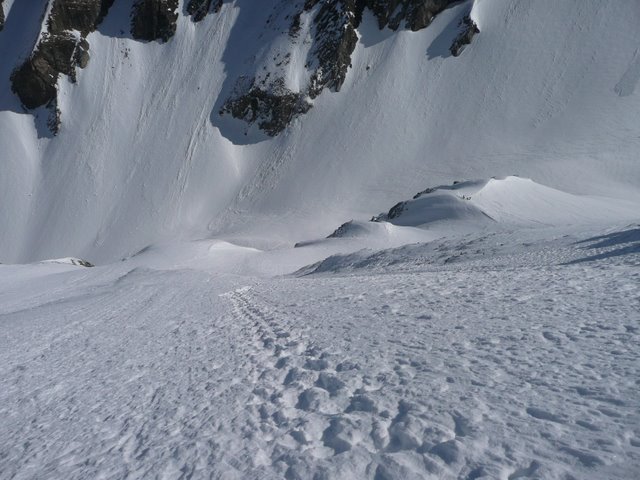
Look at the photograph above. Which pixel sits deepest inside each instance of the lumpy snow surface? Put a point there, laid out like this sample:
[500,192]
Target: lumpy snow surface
[499,354]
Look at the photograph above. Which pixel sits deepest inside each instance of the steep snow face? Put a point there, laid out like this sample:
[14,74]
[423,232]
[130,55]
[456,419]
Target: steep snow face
[547,90]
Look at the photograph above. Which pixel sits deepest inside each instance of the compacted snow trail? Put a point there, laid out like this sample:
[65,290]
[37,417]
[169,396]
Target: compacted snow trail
[400,364]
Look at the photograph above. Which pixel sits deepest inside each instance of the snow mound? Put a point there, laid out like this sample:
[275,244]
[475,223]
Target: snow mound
[383,232]
[524,202]
[511,201]
[444,203]
[194,255]
[509,212]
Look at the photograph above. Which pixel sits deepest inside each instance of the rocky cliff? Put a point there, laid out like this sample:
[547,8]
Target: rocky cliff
[326,30]
[198,9]
[416,14]
[333,31]
[154,19]
[468,30]
[60,50]
[81,15]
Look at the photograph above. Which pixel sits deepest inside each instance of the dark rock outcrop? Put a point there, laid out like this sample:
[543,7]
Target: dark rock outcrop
[154,19]
[417,14]
[469,29]
[334,38]
[198,9]
[35,80]
[393,212]
[263,98]
[63,47]
[271,104]
[59,51]
[272,110]
[341,230]
[1,16]
[81,15]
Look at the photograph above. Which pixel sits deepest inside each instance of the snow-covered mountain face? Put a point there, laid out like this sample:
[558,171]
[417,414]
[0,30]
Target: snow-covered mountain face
[125,123]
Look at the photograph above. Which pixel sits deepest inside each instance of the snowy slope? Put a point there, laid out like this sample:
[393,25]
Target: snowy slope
[509,355]
[481,329]
[547,90]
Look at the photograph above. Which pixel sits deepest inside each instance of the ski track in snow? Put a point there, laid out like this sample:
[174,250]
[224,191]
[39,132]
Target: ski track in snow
[474,368]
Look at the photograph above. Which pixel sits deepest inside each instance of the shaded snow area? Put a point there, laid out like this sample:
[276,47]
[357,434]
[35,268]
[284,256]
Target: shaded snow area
[499,354]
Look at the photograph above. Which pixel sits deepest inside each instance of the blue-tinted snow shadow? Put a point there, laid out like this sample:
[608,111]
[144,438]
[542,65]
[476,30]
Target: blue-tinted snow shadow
[369,31]
[440,47]
[212,5]
[613,239]
[117,23]
[626,241]
[246,38]
[17,40]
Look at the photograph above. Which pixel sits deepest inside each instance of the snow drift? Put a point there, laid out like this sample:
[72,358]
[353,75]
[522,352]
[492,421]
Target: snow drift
[511,201]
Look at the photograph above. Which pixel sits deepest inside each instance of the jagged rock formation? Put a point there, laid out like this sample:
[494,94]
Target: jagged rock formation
[271,110]
[35,80]
[81,15]
[393,212]
[154,19]
[198,9]
[469,29]
[334,38]
[268,102]
[260,97]
[417,14]
[61,50]
[63,47]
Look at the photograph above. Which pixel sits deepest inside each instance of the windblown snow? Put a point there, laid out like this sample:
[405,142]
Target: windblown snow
[432,274]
